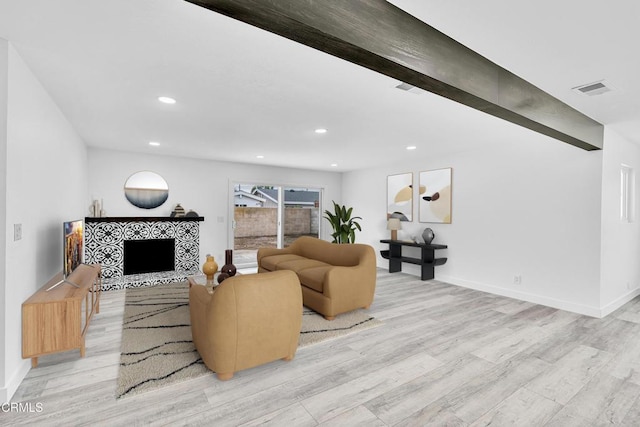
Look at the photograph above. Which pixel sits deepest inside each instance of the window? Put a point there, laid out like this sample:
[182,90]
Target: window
[271,216]
[627,178]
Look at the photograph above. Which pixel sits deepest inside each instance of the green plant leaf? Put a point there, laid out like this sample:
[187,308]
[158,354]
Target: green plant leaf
[344,226]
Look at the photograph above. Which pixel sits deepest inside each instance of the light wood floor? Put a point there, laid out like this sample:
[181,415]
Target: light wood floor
[444,356]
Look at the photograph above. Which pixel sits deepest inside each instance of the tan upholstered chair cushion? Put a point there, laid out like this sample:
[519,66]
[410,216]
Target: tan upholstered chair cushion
[271,262]
[302,264]
[314,277]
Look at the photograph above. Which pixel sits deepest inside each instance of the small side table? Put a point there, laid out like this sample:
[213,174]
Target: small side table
[201,279]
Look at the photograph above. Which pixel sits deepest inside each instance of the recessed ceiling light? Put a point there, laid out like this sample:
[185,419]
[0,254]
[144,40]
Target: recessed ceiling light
[166,100]
[154,143]
[334,165]
[321,130]
[411,147]
[259,157]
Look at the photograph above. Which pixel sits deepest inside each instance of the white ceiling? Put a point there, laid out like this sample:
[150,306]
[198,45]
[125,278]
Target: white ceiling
[244,92]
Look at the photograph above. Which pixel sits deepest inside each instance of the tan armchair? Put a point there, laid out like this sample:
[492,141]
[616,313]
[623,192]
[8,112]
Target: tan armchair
[249,320]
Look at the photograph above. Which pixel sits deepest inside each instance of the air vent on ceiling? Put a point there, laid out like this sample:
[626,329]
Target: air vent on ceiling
[591,89]
[409,88]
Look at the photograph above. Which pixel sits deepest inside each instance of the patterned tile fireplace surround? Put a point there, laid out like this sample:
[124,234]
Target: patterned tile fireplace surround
[104,245]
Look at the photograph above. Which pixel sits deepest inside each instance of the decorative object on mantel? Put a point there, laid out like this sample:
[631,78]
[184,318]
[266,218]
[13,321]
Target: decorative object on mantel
[222,276]
[177,212]
[394,225]
[210,268]
[428,235]
[228,268]
[191,214]
[95,210]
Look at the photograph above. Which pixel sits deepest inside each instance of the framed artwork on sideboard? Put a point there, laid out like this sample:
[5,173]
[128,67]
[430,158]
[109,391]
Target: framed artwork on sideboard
[435,196]
[400,196]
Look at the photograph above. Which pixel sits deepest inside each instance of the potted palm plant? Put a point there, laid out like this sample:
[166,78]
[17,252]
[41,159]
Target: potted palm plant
[344,225]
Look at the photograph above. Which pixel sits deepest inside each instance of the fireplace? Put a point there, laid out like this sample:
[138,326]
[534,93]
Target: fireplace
[149,256]
[108,241]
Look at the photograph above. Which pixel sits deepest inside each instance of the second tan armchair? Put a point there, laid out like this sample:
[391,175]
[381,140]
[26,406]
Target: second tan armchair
[249,320]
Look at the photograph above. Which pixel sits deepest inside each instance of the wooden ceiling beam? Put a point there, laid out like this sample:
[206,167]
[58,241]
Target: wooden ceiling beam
[377,35]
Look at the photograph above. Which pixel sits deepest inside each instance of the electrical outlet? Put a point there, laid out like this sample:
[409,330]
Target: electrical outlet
[517,280]
[17,232]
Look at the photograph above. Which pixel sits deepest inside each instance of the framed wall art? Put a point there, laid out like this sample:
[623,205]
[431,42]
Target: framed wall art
[400,196]
[435,196]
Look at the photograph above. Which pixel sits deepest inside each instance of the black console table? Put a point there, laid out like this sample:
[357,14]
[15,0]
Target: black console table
[427,260]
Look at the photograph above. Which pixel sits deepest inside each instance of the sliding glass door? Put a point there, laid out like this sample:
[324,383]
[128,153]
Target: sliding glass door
[271,216]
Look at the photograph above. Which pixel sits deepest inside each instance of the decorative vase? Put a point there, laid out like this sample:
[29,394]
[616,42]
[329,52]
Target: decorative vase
[178,211]
[428,236]
[228,267]
[222,276]
[209,268]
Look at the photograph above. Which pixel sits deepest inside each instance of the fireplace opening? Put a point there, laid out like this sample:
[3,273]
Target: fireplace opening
[149,256]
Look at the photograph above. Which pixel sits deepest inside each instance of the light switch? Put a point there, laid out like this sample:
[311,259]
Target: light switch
[17,232]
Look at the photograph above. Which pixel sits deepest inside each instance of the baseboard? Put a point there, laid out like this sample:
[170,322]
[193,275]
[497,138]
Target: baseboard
[619,302]
[591,311]
[524,296]
[7,392]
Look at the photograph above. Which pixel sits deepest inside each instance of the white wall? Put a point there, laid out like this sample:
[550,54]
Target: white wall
[46,183]
[200,185]
[4,71]
[620,278]
[526,205]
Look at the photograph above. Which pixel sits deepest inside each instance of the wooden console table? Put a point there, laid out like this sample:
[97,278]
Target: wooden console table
[427,260]
[57,320]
